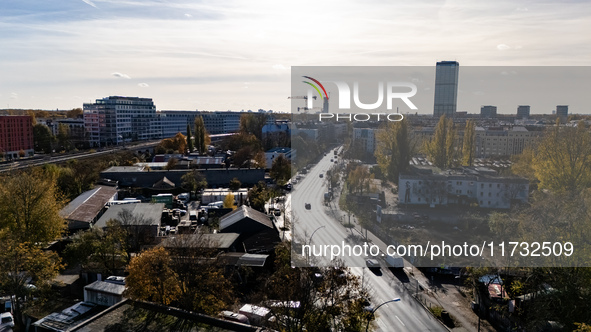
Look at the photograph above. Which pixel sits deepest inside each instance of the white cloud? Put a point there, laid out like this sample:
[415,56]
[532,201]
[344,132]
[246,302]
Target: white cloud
[13,95]
[143,85]
[279,67]
[120,75]
[503,47]
[188,15]
[90,3]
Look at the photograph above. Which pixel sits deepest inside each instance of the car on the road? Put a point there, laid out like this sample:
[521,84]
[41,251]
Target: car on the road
[6,320]
[321,175]
[308,206]
[372,263]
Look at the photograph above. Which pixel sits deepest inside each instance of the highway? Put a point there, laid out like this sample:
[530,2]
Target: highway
[319,224]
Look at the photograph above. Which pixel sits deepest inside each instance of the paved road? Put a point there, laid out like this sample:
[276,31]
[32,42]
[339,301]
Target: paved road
[405,315]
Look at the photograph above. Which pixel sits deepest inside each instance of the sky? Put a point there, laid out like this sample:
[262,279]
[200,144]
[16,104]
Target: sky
[237,55]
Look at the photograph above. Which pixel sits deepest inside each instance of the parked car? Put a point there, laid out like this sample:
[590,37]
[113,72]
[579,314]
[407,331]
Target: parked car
[6,320]
[308,206]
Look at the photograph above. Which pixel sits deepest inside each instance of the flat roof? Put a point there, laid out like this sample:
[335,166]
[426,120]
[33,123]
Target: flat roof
[106,287]
[129,315]
[146,213]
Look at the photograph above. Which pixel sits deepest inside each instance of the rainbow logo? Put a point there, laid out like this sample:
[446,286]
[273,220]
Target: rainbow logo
[316,87]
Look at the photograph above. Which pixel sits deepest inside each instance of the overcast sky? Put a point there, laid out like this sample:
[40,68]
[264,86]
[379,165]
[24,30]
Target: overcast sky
[236,55]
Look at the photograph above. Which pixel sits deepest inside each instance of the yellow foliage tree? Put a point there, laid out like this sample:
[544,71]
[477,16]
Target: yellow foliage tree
[152,278]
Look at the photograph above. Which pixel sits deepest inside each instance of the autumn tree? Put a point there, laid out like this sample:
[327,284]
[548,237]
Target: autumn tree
[30,206]
[469,143]
[253,124]
[202,138]
[152,278]
[193,182]
[280,170]
[171,164]
[229,201]
[74,113]
[100,250]
[234,184]
[21,262]
[394,149]
[258,196]
[260,160]
[332,302]
[177,143]
[562,160]
[441,148]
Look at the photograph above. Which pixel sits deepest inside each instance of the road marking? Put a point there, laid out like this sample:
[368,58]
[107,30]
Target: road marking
[399,320]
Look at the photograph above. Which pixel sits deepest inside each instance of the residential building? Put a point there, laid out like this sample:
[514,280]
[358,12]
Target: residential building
[503,141]
[446,88]
[257,232]
[425,185]
[365,137]
[523,111]
[488,111]
[16,135]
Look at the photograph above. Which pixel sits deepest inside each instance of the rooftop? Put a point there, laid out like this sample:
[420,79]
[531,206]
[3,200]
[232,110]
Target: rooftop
[244,212]
[145,213]
[106,287]
[87,205]
[130,315]
[218,240]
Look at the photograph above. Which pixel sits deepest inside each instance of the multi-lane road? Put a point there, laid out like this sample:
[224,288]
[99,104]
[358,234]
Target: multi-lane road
[404,315]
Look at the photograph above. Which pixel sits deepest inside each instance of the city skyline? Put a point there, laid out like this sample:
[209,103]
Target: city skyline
[237,56]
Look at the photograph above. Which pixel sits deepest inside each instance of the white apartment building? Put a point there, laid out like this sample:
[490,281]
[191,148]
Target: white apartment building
[463,186]
[366,137]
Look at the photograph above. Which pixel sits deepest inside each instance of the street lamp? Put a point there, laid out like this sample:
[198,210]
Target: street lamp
[310,241]
[374,310]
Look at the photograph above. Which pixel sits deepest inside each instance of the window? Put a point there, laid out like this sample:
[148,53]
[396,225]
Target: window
[419,199]
[490,185]
[498,185]
[489,194]
[482,185]
[481,194]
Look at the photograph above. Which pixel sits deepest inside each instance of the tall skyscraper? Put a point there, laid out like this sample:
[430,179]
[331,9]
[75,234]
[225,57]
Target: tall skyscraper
[446,88]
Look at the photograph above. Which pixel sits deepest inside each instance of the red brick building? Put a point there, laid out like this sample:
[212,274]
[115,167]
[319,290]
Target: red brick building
[16,134]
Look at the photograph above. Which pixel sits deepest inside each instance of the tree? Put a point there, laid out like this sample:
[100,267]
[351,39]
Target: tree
[234,184]
[103,251]
[189,138]
[193,182]
[30,206]
[75,113]
[42,138]
[177,143]
[253,124]
[260,160]
[280,170]
[63,136]
[171,164]
[394,149]
[229,202]
[441,149]
[21,262]
[258,196]
[562,160]
[330,303]
[152,278]
[202,138]
[469,144]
